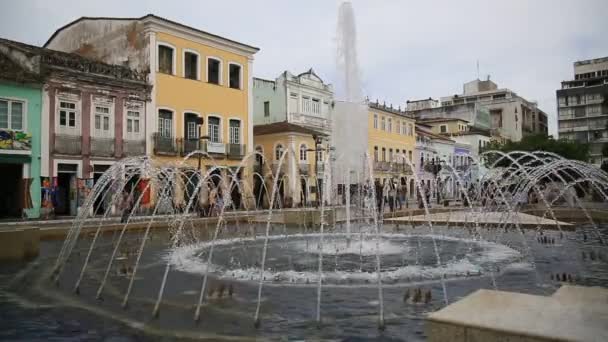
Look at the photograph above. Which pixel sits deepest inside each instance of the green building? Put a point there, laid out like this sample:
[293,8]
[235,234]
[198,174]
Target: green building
[20,122]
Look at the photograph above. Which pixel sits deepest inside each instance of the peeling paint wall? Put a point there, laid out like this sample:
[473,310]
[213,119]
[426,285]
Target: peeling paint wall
[120,42]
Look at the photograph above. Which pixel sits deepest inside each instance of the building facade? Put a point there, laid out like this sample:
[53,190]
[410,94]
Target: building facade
[512,116]
[583,107]
[303,99]
[300,172]
[20,109]
[201,84]
[391,138]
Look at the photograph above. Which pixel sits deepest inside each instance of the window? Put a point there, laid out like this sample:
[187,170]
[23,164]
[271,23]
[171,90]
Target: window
[303,153]
[67,115]
[214,70]
[390,125]
[192,130]
[165,59]
[235,131]
[403,128]
[443,128]
[11,115]
[235,76]
[266,109]
[316,106]
[383,127]
[306,104]
[102,121]
[191,65]
[390,154]
[319,156]
[409,154]
[375,153]
[375,121]
[213,129]
[410,130]
[133,124]
[383,154]
[165,123]
[278,151]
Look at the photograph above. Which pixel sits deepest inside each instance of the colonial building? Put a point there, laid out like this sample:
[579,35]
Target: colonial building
[20,106]
[201,83]
[391,138]
[304,100]
[300,172]
[583,107]
[91,115]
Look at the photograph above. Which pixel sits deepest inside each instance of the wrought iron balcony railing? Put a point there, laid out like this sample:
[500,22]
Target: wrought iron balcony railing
[164,145]
[68,144]
[133,147]
[102,147]
[235,151]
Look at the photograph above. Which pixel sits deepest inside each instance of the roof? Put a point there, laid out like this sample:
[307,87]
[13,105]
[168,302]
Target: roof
[142,18]
[310,72]
[431,135]
[66,61]
[431,120]
[389,109]
[283,127]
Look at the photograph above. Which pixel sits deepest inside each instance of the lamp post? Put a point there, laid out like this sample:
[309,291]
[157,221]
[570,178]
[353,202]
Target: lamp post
[318,142]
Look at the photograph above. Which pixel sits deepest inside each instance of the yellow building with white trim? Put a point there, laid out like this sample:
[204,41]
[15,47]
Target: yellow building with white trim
[391,137]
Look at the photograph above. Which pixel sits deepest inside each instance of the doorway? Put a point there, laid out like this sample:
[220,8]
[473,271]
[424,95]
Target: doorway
[66,189]
[11,196]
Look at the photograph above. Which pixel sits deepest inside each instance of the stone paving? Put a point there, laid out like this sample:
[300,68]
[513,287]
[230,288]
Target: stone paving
[486,217]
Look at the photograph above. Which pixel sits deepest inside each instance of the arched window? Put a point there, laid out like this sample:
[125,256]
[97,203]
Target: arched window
[278,151]
[303,152]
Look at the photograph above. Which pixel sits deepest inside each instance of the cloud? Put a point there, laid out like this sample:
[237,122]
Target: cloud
[407,49]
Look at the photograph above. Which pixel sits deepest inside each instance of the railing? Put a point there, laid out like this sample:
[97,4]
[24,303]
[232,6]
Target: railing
[400,167]
[311,120]
[15,140]
[102,147]
[164,145]
[133,147]
[432,168]
[304,168]
[216,147]
[68,144]
[235,151]
[191,145]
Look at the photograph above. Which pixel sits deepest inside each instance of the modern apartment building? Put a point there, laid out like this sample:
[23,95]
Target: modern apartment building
[583,106]
[511,116]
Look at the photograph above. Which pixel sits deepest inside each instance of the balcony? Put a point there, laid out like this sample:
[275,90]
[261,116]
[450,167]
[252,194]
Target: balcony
[132,148]
[191,145]
[314,121]
[381,166]
[164,145]
[102,147]
[68,144]
[397,167]
[304,168]
[15,141]
[235,151]
[432,168]
[216,147]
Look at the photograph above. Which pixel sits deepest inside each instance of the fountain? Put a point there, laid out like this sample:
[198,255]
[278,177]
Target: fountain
[193,258]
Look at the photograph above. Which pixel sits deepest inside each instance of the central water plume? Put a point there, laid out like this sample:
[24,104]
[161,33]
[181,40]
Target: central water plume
[349,131]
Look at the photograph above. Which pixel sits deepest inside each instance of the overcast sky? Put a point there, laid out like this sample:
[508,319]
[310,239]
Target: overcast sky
[407,49]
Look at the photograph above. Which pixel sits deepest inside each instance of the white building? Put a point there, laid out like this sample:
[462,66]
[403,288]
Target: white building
[302,99]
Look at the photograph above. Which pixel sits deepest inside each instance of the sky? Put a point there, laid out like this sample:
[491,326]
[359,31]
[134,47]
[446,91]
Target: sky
[407,49]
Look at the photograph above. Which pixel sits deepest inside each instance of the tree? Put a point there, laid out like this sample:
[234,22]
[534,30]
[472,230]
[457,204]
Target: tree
[568,149]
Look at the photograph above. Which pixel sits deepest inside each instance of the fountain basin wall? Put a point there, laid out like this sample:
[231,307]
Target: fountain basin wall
[19,243]
[573,313]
